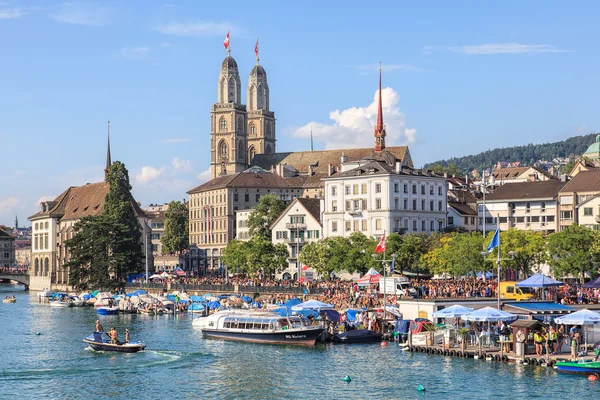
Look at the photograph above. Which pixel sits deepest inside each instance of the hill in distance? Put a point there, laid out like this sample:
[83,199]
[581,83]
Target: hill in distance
[526,155]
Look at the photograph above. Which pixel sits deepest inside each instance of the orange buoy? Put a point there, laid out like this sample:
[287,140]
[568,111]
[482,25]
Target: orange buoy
[592,378]
[383,344]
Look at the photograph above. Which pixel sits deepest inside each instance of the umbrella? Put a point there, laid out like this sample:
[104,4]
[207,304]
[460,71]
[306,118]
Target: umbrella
[246,299]
[311,305]
[214,305]
[581,317]
[592,284]
[539,280]
[155,276]
[488,314]
[455,311]
[256,304]
[165,275]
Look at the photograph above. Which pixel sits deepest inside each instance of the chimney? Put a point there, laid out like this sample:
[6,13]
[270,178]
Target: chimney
[344,158]
[467,179]
[311,171]
[330,170]
[398,166]
[445,174]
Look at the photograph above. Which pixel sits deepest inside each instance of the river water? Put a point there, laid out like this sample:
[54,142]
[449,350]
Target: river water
[179,363]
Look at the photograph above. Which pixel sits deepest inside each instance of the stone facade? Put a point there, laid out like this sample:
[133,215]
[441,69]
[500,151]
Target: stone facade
[7,249]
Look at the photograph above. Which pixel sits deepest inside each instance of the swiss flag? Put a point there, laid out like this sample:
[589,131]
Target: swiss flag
[226,41]
[256,48]
[381,246]
[305,268]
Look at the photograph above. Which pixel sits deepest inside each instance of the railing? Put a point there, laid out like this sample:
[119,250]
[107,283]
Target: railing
[295,225]
[226,288]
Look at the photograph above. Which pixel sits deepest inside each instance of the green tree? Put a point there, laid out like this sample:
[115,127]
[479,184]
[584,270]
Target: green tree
[572,251]
[408,252]
[315,255]
[524,250]
[359,254]
[267,210]
[234,255]
[466,253]
[263,255]
[176,236]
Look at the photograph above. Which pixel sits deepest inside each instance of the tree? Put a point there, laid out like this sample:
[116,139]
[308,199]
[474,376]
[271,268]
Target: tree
[267,210]
[256,255]
[573,251]
[409,251]
[315,255]
[359,253]
[456,254]
[176,236]
[529,249]
[234,255]
[110,248]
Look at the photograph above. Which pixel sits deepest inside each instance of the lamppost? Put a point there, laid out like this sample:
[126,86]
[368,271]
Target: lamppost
[512,255]
[383,263]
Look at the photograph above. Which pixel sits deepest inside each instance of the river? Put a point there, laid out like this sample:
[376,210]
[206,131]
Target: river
[179,363]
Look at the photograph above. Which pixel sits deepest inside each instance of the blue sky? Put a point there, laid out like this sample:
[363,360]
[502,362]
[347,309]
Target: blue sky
[459,78]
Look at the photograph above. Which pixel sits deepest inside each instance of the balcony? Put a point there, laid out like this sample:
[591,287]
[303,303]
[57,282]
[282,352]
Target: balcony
[355,212]
[295,226]
[300,240]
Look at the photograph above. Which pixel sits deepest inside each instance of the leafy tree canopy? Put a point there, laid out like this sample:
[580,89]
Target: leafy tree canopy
[267,210]
[176,235]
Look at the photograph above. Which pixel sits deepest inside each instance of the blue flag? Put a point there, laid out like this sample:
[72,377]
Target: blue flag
[495,241]
[392,267]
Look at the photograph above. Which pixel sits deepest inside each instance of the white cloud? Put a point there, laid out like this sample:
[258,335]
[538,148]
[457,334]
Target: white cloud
[365,69]
[204,175]
[8,204]
[496,48]
[149,174]
[134,53]
[197,29]
[183,165]
[165,45]
[42,199]
[11,13]
[354,126]
[175,140]
[81,14]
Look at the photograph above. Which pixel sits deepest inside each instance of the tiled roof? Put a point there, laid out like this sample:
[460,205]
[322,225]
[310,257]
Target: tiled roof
[584,181]
[462,208]
[320,160]
[462,196]
[4,234]
[313,206]
[514,172]
[248,179]
[527,190]
[381,168]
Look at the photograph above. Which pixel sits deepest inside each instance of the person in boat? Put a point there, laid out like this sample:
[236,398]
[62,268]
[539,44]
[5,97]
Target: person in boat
[99,327]
[126,335]
[114,335]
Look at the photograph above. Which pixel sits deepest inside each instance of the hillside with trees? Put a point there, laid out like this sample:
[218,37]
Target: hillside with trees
[526,155]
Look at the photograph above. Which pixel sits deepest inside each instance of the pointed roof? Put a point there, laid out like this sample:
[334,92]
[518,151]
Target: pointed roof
[379,127]
[108,160]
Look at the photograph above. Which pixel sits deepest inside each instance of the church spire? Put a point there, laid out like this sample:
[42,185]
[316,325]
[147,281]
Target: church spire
[379,127]
[108,160]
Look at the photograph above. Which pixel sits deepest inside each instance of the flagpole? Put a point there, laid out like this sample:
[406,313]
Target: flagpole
[498,261]
[384,276]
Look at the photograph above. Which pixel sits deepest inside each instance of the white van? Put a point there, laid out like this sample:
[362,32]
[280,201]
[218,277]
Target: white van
[396,286]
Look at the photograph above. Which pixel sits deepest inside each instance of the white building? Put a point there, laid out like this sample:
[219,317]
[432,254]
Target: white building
[241,219]
[525,205]
[296,226]
[377,197]
[588,213]
[461,215]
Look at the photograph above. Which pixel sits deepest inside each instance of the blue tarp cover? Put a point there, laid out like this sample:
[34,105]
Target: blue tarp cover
[541,306]
[351,313]
[539,280]
[402,325]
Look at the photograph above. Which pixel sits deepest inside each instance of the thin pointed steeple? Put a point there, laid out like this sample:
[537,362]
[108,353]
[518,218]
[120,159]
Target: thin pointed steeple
[311,139]
[108,160]
[379,127]
[16,223]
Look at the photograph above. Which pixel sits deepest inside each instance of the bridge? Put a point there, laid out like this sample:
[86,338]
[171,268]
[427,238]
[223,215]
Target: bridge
[17,277]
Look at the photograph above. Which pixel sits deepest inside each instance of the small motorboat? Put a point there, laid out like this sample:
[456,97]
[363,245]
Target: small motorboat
[10,299]
[76,301]
[578,367]
[107,310]
[61,303]
[99,341]
[357,336]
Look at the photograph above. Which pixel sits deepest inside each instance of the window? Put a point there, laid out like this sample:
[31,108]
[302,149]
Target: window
[396,188]
[503,220]
[439,190]
[363,188]
[378,204]
[154,248]
[257,196]
[348,225]
[588,211]
[356,204]
[222,124]
[439,206]
[431,225]
[489,220]
[333,226]
[378,224]
[378,188]
[414,204]
[334,206]
[316,234]
[414,225]
[405,204]
[405,188]
[364,225]
[155,236]
[423,190]
[235,197]
[354,189]
[466,220]
[450,220]
[431,191]
[364,204]
[356,226]
[535,219]
[247,197]
[333,190]
[422,205]
[543,206]
[520,220]
[347,189]
[550,218]
[566,199]
[430,205]
[414,189]
[348,205]
[566,215]
[528,208]
[395,203]
[423,226]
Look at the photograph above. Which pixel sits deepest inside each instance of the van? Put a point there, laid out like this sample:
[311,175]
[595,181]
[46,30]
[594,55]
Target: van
[396,286]
[509,291]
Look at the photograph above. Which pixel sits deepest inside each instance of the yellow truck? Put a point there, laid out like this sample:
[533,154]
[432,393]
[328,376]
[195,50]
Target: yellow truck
[509,291]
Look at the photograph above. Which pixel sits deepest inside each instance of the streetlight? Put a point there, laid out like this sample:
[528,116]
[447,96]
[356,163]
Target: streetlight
[383,262]
[512,255]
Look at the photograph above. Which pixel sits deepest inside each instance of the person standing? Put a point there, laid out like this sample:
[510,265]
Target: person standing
[574,346]
[99,327]
[126,335]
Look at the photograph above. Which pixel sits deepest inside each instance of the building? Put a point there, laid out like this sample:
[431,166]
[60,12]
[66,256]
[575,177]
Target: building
[156,214]
[7,249]
[212,206]
[519,174]
[461,215]
[242,230]
[23,252]
[593,151]
[588,213]
[297,225]
[575,194]
[53,225]
[524,205]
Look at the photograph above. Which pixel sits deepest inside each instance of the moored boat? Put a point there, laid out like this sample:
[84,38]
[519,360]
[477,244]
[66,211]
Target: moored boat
[107,310]
[357,336]
[259,327]
[99,341]
[61,303]
[578,367]
[10,299]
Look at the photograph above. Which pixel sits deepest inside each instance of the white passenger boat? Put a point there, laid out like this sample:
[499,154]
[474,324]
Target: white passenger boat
[259,327]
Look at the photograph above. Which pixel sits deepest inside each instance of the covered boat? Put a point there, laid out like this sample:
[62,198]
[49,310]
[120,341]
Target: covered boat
[99,341]
[578,367]
[259,327]
[357,336]
[107,310]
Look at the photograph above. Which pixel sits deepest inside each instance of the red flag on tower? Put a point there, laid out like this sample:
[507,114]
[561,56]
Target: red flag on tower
[256,48]
[226,41]
[381,246]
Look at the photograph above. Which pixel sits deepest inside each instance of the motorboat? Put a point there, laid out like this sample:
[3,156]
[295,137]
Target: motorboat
[100,341]
[76,301]
[357,336]
[578,367]
[107,310]
[9,299]
[259,327]
[61,303]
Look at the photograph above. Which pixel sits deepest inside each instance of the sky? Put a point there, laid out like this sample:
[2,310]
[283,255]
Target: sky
[458,77]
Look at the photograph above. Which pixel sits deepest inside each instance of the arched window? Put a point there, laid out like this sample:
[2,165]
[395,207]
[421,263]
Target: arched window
[268,149]
[46,263]
[223,92]
[252,129]
[261,97]
[223,150]
[222,124]
[251,153]
[37,266]
[36,226]
[240,125]
[268,130]
[231,91]
[46,225]
[241,152]
[251,100]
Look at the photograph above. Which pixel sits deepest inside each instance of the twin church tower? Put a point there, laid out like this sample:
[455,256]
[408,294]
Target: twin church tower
[240,131]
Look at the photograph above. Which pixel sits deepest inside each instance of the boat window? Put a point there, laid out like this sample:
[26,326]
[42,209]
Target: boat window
[242,325]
